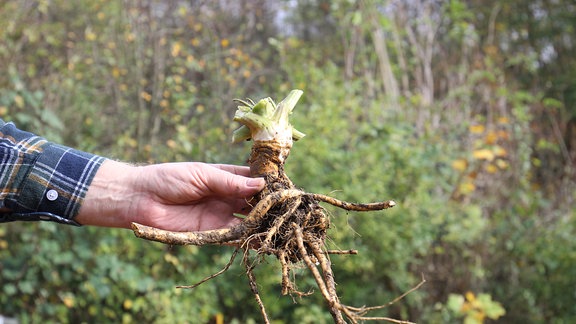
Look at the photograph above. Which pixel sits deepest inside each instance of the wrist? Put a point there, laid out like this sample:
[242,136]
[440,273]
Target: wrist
[107,202]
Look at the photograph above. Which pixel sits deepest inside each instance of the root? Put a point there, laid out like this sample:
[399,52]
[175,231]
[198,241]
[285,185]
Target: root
[291,225]
[217,236]
[254,287]
[214,275]
[325,284]
[354,206]
[341,252]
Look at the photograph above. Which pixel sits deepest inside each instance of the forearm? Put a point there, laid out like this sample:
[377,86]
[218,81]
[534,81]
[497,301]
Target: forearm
[110,196]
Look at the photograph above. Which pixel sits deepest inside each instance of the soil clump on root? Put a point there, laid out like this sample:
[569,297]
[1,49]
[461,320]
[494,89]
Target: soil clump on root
[285,222]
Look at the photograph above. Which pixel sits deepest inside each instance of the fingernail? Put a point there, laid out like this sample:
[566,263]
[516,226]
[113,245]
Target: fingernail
[255,182]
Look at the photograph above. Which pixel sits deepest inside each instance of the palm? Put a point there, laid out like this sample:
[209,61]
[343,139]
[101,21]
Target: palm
[189,200]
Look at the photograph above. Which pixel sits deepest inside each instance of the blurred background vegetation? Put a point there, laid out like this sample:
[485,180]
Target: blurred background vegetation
[462,111]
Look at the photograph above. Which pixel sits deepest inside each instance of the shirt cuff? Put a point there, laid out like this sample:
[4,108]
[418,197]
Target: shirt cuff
[58,181]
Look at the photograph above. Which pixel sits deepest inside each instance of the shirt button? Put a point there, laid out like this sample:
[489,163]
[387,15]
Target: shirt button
[52,195]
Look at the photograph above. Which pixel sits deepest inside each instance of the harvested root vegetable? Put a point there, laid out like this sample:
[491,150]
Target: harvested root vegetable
[285,221]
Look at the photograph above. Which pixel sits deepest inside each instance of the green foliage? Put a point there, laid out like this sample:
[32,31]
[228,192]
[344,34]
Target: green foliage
[476,150]
[28,110]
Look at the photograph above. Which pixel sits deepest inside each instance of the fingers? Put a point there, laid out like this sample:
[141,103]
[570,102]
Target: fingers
[228,184]
[236,169]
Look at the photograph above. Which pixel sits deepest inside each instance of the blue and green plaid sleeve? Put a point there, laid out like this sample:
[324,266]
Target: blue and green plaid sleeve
[41,180]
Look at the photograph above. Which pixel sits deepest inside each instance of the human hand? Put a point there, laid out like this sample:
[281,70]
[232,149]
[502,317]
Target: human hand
[173,196]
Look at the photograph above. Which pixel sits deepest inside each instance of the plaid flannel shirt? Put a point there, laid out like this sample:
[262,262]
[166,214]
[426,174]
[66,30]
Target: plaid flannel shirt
[40,180]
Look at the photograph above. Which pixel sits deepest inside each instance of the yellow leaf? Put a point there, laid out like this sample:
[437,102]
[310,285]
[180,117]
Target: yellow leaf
[219,318]
[171,143]
[502,134]
[459,165]
[171,259]
[476,129]
[503,120]
[502,164]
[182,11]
[470,296]
[19,101]
[127,304]
[90,35]
[224,42]
[115,72]
[491,138]
[466,188]
[499,151]
[479,317]
[483,154]
[491,168]
[146,96]
[129,37]
[176,47]
[68,301]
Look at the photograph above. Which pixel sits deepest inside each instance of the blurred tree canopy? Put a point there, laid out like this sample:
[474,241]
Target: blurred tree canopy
[464,112]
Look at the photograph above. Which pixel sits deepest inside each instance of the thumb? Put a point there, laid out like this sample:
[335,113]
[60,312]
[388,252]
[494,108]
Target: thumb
[224,183]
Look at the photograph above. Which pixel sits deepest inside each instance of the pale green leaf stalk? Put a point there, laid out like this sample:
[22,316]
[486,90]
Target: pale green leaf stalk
[266,121]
